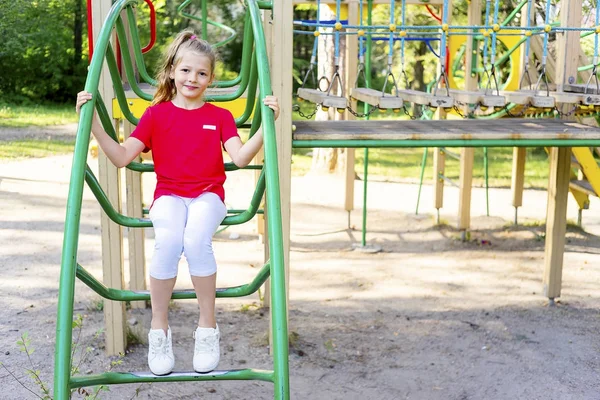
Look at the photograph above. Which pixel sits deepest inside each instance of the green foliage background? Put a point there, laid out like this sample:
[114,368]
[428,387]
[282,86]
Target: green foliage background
[44,47]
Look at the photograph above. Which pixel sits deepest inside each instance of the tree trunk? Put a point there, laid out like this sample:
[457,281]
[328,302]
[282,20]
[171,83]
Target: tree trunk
[77,34]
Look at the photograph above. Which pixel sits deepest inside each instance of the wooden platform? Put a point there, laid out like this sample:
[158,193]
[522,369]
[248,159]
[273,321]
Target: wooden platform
[450,133]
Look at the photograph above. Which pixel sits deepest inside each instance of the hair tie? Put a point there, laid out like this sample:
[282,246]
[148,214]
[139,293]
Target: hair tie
[192,37]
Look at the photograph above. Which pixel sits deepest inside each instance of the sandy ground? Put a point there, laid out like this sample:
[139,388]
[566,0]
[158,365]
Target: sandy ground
[428,317]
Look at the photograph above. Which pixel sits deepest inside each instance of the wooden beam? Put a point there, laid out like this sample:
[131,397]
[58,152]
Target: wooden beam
[568,49]
[112,234]
[478,97]
[428,99]
[467,155]
[135,236]
[537,99]
[518,176]
[469,129]
[134,199]
[556,220]
[351,54]
[439,166]
[281,65]
[318,97]
[377,98]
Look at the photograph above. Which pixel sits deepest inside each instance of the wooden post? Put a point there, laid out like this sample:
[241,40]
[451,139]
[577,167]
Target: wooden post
[519,154]
[439,166]
[518,177]
[134,199]
[568,49]
[351,60]
[439,155]
[467,155]
[112,234]
[135,236]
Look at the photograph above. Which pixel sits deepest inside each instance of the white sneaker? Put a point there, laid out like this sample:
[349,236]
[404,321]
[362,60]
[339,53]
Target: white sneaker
[160,352]
[206,349]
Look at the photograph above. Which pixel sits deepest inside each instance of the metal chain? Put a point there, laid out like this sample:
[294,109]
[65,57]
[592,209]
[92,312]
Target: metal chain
[411,116]
[361,115]
[566,114]
[469,115]
[296,107]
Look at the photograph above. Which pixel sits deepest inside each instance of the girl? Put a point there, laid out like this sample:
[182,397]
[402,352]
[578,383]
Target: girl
[186,136]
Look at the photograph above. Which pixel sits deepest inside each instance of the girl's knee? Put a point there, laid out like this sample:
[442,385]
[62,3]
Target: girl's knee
[203,269]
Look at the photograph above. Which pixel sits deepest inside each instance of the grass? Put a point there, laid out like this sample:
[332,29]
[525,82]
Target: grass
[384,164]
[34,148]
[12,115]
[404,165]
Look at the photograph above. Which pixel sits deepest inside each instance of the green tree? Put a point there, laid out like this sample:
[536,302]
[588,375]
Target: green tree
[41,50]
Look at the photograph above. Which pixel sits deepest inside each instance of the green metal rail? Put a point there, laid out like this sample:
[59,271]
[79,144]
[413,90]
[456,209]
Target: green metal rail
[254,75]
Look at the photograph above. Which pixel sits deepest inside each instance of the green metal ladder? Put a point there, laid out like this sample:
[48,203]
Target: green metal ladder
[255,73]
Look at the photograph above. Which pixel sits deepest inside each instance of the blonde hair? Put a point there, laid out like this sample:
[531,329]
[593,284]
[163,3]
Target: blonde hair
[185,41]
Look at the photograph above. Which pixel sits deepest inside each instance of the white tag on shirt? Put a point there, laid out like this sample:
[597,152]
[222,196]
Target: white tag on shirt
[211,127]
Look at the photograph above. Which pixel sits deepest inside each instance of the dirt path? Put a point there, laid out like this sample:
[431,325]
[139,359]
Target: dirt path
[429,317]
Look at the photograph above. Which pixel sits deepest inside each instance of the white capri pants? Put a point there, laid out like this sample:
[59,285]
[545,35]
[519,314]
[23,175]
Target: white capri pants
[185,225]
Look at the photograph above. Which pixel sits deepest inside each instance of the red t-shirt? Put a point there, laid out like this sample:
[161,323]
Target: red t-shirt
[186,147]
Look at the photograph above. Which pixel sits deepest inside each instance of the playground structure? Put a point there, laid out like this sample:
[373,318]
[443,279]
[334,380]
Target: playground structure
[118,89]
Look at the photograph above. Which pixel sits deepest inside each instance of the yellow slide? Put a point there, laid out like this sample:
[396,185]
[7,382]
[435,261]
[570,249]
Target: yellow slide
[588,181]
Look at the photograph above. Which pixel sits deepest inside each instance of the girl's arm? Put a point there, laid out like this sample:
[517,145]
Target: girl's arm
[119,154]
[242,153]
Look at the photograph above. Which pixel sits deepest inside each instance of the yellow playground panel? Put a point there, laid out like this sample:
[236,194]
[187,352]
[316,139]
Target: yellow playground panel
[138,106]
[455,42]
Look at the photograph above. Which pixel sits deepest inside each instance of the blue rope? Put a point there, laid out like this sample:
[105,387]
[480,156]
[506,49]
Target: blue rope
[596,35]
[444,36]
[496,9]
[337,32]
[545,53]
[528,38]
[485,40]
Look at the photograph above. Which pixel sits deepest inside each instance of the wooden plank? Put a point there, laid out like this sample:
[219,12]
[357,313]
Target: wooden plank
[582,186]
[427,99]
[576,98]
[518,176]
[112,234]
[478,97]
[135,236]
[281,64]
[134,198]
[467,157]
[351,54]
[547,129]
[474,17]
[439,166]
[439,154]
[569,48]
[377,98]
[556,220]
[537,99]
[319,97]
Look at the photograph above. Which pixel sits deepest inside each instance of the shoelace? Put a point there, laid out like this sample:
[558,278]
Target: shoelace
[205,344]
[159,346]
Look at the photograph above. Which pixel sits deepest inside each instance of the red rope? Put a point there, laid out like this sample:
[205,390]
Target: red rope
[432,13]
